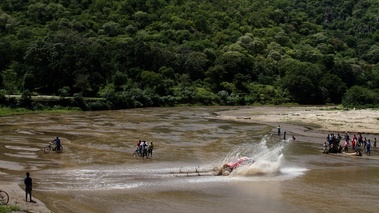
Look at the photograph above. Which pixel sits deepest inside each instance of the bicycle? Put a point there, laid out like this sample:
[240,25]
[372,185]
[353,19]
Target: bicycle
[137,152]
[48,148]
[4,197]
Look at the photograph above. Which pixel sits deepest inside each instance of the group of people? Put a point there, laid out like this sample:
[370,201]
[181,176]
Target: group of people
[145,149]
[332,144]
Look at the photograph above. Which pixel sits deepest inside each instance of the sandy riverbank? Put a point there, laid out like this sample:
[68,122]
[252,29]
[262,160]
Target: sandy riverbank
[309,124]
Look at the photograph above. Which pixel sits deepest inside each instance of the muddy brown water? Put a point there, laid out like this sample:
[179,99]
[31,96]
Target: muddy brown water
[97,173]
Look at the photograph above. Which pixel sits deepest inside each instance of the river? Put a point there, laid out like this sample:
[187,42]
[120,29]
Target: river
[96,171]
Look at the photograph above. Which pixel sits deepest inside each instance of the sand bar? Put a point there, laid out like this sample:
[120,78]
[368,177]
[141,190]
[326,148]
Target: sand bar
[309,124]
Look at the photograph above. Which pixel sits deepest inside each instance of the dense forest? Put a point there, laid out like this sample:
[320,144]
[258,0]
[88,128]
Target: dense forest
[141,53]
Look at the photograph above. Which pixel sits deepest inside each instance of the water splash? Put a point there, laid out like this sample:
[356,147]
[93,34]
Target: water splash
[268,159]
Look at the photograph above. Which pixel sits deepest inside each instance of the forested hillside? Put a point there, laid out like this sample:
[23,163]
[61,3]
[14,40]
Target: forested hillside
[140,53]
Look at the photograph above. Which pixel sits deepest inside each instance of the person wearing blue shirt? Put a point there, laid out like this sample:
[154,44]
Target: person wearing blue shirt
[57,143]
[368,147]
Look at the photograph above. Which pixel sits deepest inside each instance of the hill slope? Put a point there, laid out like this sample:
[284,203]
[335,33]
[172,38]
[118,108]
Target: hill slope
[162,52]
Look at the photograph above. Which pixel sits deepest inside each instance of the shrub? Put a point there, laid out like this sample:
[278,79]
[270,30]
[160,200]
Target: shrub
[26,100]
[358,96]
[79,101]
[97,105]
[64,91]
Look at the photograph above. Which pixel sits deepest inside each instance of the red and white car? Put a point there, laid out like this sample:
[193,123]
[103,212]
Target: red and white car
[241,161]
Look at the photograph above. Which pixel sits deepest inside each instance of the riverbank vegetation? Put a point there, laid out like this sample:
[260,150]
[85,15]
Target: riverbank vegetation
[9,209]
[133,53]
[5,111]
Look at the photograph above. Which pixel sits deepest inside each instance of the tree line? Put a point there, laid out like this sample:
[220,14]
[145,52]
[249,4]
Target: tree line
[141,53]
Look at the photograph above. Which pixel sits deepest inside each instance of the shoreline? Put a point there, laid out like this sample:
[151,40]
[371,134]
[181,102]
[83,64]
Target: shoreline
[309,124]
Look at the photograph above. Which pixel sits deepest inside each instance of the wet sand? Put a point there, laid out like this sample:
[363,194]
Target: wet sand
[307,124]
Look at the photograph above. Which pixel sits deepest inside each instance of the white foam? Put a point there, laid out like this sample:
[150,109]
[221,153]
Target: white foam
[293,171]
[268,160]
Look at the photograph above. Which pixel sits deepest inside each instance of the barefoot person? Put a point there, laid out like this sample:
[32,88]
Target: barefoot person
[28,187]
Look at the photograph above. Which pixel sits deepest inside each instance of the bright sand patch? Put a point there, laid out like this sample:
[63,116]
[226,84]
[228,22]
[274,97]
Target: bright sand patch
[308,122]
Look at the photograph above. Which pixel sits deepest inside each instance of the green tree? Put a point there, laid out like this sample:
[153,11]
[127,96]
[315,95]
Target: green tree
[29,82]
[334,87]
[142,19]
[195,64]
[301,79]
[119,79]
[358,96]
[233,62]
[151,79]
[372,55]
[26,99]
[84,45]
[37,12]
[214,76]
[111,28]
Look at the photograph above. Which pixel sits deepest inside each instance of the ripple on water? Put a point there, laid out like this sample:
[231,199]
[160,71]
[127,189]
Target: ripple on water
[23,155]
[23,148]
[27,132]
[11,165]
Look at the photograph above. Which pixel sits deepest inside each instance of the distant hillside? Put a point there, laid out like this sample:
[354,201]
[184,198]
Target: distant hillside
[140,53]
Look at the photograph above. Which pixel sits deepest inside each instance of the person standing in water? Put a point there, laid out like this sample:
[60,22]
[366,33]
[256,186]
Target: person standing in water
[368,147]
[374,142]
[144,149]
[150,150]
[284,135]
[278,129]
[57,143]
[325,148]
[28,187]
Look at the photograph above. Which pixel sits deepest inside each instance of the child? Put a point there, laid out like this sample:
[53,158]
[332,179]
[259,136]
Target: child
[325,148]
